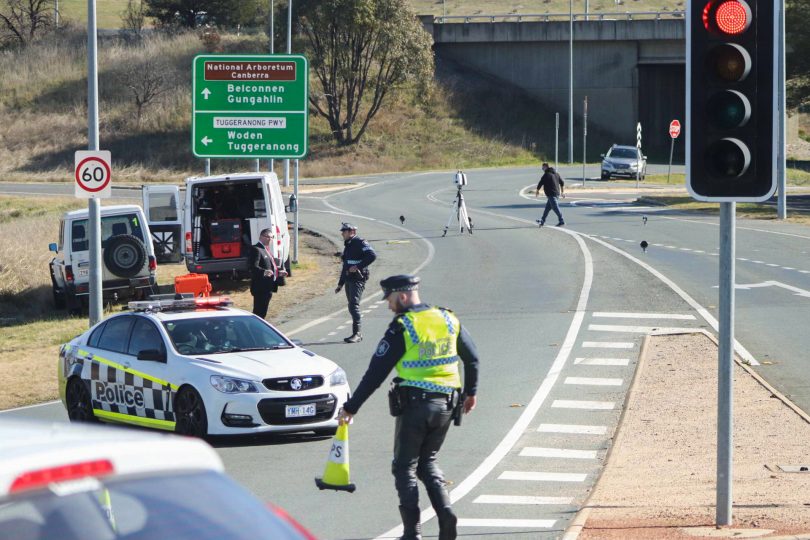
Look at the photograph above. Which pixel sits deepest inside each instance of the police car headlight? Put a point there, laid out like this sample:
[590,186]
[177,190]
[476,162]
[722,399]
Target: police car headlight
[337,377]
[229,385]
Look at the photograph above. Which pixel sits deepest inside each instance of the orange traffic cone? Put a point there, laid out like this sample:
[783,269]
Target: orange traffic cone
[336,475]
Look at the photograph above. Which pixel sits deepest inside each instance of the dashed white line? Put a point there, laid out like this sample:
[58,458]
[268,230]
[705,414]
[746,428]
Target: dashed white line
[593,381]
[573,429]
[607,345]
[565,453]
[602,361]
[521,499]
[331,333]
[587,405]
[534,476]
[527,523]
[619,315]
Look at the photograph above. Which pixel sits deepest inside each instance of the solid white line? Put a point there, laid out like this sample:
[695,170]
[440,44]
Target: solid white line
[619,315]
[602,361]
[607,345]
[589,405]
[575,429]
[528,523]
[533,476]
[565,453]
[593,381]
[638,329]
[30,406]
[521,499]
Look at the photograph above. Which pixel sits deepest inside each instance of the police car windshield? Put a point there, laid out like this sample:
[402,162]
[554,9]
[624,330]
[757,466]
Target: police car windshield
[191,506]
[214,335]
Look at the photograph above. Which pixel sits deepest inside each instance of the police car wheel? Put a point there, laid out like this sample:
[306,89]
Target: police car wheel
[79,406]
[190,410]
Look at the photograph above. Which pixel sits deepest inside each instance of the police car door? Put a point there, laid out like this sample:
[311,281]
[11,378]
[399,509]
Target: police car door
[162,207]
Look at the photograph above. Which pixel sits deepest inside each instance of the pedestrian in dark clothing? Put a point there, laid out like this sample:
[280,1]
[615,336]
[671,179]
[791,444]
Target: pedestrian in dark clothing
[357,256]
[265,274]
[426,345]
[554,187]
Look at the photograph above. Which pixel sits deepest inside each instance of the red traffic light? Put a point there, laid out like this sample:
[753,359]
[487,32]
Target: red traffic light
[728,17]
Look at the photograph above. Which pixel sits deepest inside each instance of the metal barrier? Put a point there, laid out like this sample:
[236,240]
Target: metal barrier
[548,17]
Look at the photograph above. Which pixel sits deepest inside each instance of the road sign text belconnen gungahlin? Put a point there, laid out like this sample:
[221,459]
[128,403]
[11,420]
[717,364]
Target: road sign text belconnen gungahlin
[250,106]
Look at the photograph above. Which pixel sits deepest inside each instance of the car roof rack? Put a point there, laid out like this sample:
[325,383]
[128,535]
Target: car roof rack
[178,303]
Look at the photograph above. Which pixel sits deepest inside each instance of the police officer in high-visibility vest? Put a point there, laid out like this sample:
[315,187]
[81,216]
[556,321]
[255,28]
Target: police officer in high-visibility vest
[426,345]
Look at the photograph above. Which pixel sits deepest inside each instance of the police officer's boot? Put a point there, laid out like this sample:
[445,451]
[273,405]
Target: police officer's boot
[444,513]
[412,529]
[356,336]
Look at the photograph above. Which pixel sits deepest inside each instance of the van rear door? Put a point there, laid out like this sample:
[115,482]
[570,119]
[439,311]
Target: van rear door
[279,219]
[163,214]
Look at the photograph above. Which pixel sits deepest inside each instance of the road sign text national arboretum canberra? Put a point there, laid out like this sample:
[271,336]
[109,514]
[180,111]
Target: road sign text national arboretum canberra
[250,106]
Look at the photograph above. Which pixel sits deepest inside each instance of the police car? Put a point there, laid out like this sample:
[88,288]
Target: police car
[68,482]
[198,367]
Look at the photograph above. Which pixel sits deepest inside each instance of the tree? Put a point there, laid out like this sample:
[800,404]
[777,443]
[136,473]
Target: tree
[133,17]
[146,82]
[194,13]
[23,20]
[361,47]
[798,46]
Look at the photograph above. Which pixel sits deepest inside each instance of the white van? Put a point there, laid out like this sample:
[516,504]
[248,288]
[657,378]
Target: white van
[219,220]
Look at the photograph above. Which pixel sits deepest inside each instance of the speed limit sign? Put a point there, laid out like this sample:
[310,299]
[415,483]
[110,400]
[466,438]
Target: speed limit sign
[93,174]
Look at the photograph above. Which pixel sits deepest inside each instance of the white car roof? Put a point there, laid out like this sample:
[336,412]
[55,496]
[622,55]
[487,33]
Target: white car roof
[28,447]
[105,211]
[226,177]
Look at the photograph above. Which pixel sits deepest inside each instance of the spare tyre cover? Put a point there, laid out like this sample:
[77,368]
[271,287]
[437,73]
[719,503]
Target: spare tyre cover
[124,255]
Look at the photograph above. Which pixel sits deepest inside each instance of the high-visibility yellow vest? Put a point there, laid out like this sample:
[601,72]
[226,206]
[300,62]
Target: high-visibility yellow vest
[431,360]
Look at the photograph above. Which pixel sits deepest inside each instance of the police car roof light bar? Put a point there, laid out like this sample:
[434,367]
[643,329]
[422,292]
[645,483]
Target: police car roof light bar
[62,473]
[183,303]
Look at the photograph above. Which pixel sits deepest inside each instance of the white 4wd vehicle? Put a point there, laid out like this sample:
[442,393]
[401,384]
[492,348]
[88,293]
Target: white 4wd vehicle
[128,259]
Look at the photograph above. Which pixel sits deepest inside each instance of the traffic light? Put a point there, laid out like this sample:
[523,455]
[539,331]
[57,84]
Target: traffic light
[731,112]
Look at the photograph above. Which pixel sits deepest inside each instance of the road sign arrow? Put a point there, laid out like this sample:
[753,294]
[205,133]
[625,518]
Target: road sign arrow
[206,92]
[206,140]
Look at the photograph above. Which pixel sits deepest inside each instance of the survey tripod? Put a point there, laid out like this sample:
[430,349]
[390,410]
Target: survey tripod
[459,211]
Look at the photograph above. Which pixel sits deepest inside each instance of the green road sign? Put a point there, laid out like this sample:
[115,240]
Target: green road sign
[250,106]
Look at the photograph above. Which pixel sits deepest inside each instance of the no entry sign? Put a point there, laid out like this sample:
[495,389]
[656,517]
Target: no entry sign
[674,129]
[93,174]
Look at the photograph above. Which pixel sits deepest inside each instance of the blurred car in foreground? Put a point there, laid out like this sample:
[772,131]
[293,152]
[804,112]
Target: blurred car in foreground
[68,482]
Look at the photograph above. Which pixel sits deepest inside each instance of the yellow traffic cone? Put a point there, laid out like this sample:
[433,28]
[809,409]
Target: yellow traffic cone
[336,475]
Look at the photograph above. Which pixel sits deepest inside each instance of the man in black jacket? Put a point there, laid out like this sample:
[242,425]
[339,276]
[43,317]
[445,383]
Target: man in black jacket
[357,256]
[554,188]
[265,273]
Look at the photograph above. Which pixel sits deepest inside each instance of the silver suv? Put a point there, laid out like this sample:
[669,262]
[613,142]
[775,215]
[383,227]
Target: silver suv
[128,259]
[626,161]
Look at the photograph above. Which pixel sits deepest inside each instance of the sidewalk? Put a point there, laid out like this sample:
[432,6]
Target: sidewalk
[659,481]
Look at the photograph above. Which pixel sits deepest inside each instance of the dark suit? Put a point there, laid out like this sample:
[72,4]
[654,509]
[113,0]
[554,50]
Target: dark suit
[262,287]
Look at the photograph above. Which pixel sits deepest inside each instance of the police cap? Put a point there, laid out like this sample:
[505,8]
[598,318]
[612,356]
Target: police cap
[399,283]
[347,227]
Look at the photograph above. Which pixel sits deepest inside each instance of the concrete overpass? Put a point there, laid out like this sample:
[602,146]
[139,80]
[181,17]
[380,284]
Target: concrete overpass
[630,66]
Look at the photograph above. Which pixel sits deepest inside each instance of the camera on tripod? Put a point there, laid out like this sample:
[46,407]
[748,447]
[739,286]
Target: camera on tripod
[460,179]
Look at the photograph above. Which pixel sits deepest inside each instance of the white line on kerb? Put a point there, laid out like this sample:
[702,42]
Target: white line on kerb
[587,405]
[620,315]
[521,499]
[565,453]
[638,329]
[574,429]
[602,361]
[533,476]
[593,381]
[523,523]
[607,345]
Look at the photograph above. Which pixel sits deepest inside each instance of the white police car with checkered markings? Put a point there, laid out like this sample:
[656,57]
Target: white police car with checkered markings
[198,367]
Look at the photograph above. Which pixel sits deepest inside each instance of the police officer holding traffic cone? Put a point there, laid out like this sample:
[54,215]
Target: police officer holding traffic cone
[357,256]
[426,345]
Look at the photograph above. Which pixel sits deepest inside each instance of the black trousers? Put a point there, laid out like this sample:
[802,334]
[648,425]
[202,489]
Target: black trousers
[354,293]
[420,432]
[261,301]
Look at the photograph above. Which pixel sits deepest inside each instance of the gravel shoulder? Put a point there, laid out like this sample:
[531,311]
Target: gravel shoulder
[660,479]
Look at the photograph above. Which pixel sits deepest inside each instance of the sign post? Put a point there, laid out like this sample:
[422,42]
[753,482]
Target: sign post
[638,152]
[674,131]
[250,106]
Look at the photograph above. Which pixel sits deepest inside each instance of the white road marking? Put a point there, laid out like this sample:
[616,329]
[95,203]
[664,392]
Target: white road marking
[366,311]
[619,315]
[593,381]
[772,265]
[575,429]
[638,329]
[341,327]
[796,290]
[602,361]
[534,476]
[565,453]
[788,268]
[524,523]
[587,405]
[607,345]
[521,499]
[331,333]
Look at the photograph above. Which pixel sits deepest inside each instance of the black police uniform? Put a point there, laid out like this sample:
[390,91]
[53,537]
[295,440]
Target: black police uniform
[421,428]
[356,252]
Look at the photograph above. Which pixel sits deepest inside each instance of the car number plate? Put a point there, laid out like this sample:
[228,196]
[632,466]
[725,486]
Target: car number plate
[296,411]
[83,272]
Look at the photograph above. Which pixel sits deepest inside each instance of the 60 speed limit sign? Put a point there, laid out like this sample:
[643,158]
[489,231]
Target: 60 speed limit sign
[93,173]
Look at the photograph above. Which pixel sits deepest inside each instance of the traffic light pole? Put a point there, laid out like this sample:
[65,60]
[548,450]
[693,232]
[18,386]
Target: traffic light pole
[725,364]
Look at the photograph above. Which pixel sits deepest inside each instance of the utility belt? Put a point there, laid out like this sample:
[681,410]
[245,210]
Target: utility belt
[362,275]
[400,396]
